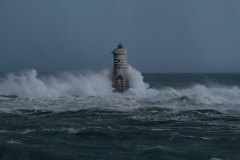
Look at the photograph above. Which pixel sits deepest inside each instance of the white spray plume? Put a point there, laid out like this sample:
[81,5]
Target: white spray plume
[27,84]
[67,84]
[137,86]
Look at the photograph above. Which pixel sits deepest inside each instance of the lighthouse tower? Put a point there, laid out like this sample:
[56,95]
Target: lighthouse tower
[120,77]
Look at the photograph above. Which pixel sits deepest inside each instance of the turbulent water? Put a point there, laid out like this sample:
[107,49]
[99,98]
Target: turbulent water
[73,115]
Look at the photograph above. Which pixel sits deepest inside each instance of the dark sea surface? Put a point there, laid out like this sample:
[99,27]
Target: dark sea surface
[77,116]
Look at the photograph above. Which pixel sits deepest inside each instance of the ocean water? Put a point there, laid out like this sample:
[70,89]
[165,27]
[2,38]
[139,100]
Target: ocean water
[73,115]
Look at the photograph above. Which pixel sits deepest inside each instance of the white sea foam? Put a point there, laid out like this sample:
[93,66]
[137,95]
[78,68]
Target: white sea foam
[206,138]
[3,131]
[198,95]
[216,158]
[138,87]
[160,129]
[94,89]
[70,130]
[27,84]
[13,142]
[27,131]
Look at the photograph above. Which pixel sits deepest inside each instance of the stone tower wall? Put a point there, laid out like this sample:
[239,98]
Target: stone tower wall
[120,77]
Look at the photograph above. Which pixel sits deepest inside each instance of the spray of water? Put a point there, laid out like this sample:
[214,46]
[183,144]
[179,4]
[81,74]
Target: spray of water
[138,87]
[27,84]
[98,84]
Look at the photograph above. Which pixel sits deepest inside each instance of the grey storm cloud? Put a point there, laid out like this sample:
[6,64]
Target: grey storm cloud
[161,35]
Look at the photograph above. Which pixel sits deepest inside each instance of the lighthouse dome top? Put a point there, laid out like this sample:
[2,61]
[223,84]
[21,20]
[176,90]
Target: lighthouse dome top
[120,50]
[120,46]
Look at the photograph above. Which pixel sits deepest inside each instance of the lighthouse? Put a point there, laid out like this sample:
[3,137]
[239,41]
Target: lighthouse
[120,65]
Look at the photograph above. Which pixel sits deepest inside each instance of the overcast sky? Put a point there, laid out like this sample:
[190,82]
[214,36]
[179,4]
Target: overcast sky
[162,36]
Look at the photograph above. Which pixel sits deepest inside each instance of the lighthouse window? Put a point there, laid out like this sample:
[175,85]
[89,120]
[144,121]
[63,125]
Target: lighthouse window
[119,60]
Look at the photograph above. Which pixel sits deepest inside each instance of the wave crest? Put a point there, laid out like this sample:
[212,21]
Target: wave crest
[28,84]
